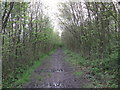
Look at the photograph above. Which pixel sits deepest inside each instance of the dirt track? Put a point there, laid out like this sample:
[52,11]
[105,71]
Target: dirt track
[55,73]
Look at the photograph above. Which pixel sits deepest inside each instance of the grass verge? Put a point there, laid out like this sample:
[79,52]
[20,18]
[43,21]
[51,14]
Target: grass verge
[78,73]
[102,72]
[26,73]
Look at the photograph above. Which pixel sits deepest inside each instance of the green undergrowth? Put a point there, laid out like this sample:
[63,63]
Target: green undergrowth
[24,77]
[78,73]
[103,72]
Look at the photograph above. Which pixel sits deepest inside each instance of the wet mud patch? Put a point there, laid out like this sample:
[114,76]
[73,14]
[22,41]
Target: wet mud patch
[56,73]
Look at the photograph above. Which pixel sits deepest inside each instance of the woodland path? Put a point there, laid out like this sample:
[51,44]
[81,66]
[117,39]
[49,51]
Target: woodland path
[55,72]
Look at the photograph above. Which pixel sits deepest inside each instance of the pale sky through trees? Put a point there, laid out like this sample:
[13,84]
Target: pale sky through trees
[52,8]
[52,11]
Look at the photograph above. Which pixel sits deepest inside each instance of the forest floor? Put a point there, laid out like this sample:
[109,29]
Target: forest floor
[55,72]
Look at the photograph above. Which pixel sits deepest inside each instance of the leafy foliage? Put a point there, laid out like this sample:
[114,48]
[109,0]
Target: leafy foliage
[91,30]
[28,35]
